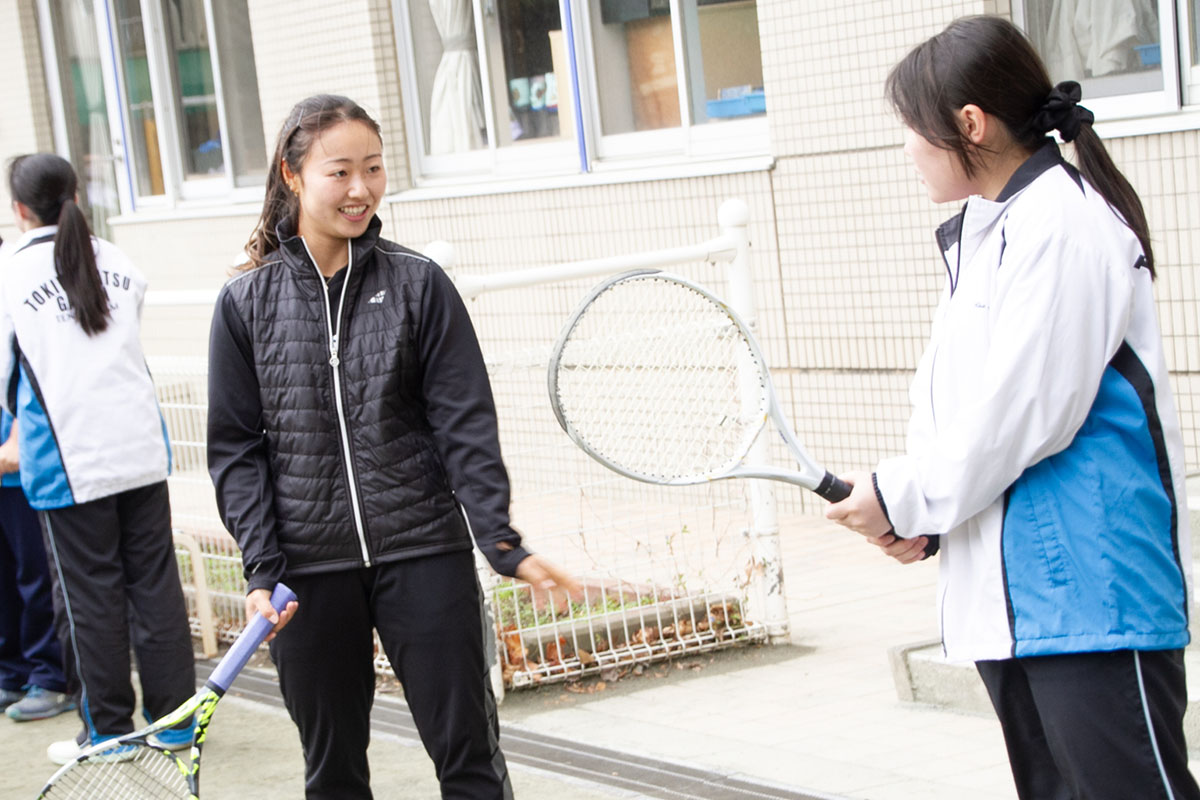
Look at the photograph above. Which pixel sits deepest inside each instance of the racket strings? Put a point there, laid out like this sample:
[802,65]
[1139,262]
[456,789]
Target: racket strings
[146,773]
[657,379]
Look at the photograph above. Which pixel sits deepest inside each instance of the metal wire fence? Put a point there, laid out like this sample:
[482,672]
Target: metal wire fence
[665,571]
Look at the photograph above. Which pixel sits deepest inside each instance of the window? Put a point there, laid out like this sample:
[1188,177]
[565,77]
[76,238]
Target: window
[535,87]
[1125,53]
[181,126]
[688,68]
[1191,24]
[635,50]
[76,81]
[1194,14]
[142,124]
[479,115]
[179,94]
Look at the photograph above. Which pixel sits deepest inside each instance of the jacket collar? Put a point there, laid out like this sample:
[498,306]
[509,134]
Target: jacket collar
[34,236]
[1044,158]
[959,236]
[295,254]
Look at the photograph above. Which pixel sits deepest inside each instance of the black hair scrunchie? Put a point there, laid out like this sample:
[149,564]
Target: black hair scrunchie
[1062,112]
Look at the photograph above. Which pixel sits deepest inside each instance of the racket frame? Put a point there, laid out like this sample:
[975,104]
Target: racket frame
[201,706]
[809,475]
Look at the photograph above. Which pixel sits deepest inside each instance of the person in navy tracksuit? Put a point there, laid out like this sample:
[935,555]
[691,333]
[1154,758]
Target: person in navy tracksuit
[32,682]
[1044,450]
[30,655]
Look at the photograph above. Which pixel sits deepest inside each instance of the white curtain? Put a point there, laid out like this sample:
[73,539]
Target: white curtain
[1096,37]
[456,120]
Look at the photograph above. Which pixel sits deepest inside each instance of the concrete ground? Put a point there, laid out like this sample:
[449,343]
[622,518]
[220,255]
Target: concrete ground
[822,715]
[253,753]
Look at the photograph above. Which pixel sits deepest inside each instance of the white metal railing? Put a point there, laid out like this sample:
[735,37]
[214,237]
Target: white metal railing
[665,570]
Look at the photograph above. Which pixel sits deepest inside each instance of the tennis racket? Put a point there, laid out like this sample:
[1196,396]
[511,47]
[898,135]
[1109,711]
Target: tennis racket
[133,766]
[659,380]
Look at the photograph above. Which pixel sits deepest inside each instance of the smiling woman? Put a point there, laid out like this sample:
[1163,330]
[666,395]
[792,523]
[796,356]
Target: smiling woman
[339,188]
[351,425]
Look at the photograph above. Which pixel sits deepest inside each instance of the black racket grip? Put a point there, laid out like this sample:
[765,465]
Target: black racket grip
[833,488]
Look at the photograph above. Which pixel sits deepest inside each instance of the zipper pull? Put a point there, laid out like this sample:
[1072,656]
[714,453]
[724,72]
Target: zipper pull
[333,352]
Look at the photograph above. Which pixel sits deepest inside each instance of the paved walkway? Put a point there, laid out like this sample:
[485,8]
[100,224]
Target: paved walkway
[820,716]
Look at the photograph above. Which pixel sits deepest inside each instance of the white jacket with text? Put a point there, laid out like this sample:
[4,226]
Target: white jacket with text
[89,419]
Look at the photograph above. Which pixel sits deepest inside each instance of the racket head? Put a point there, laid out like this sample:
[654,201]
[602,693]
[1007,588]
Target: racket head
[133,766]
[659,380]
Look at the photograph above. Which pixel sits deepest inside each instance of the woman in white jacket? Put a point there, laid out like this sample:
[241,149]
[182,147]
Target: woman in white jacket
[94,456]
[1044,453]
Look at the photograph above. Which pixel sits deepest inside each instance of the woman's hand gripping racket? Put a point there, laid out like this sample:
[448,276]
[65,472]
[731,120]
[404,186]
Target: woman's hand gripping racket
[133,766]
[659,380]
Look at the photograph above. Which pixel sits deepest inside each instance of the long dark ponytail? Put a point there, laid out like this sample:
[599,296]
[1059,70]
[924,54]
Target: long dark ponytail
[303,125]
[987,61]
[46,185]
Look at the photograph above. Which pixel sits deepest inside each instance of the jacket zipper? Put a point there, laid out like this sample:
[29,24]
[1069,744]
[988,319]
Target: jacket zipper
[335,363]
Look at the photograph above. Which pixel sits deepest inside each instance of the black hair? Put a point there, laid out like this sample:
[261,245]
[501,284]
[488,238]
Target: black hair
[987,61]
[306,121]
[46,185]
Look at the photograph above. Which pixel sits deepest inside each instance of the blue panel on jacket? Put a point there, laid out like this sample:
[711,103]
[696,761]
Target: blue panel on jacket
[1088,539]
[43,475]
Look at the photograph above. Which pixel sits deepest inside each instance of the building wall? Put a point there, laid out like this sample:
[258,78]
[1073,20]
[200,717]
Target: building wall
[846,268]
[348,48]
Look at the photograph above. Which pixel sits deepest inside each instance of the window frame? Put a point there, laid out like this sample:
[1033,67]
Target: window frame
[591,151]
[178,188]
[1180,78]
[501,162]
[1188,22]
[690,141]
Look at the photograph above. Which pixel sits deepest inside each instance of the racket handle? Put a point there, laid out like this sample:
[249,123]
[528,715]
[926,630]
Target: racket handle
[833,488]
[248,641]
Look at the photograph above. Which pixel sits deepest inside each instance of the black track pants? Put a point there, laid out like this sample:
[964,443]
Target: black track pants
[428,614]
[1094,726]
[112,562]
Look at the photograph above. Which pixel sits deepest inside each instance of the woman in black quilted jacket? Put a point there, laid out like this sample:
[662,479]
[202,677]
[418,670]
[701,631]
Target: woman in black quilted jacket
[352,442]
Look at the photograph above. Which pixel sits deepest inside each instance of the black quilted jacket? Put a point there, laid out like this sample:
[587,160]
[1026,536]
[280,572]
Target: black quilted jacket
[336,446]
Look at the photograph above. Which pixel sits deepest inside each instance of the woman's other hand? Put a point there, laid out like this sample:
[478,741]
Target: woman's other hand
[906,551]
[543,574]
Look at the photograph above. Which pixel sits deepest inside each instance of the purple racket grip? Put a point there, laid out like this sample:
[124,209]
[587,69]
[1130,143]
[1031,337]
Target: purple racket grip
[247,642]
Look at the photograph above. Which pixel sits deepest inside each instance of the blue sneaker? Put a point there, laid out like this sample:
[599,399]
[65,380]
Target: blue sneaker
[39,703]
[177,738]
[10,696]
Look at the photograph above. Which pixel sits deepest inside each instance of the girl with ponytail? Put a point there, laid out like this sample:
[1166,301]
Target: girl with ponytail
[353,445]
[43,188]
[1044,455]
[94,457]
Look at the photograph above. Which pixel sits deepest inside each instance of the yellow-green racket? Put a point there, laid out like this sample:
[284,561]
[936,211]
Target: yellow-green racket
[134,766]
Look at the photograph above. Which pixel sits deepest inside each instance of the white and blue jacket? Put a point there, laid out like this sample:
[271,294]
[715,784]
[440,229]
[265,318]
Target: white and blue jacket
[1044,443]
[90,422]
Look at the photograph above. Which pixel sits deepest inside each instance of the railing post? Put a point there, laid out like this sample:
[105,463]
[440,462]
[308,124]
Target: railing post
[208,630]
[443,254]
[767,587]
